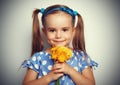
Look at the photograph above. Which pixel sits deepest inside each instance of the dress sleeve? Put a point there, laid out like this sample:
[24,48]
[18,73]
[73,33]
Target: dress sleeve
[33,63]
[86,61]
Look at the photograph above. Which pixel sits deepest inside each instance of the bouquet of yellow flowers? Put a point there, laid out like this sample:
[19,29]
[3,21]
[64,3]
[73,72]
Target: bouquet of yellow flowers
[60,54]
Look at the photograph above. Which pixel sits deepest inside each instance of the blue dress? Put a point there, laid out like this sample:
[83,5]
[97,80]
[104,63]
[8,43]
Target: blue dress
[42,63]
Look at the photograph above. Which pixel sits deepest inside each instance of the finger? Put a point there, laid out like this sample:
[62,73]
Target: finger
[58,70]
[56,62]
[59,75]
[57,66]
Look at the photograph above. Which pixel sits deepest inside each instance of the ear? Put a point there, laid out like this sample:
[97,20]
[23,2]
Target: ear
[74,31]
[44,31]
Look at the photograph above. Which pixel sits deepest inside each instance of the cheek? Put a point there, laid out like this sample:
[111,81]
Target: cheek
[69,35]
[49,36]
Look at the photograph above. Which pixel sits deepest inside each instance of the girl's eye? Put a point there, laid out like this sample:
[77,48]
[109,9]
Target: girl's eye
[65,30]
[52,30]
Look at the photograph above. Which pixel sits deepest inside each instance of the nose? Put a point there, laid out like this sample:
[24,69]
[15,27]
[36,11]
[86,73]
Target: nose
[58,34]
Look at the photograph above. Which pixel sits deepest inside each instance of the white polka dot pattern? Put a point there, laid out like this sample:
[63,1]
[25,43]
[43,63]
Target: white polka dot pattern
[42,63]
[76,68]
[36,66]
[49,67]
[38,58]
[34,58]
[44,72]
[63,78]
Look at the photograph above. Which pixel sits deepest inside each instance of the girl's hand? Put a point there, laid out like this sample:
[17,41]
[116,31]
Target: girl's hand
[54,76]
[62,68]
[58,70]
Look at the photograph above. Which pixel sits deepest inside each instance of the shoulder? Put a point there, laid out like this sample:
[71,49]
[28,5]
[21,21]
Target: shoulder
[79,53]
[85,60]
[40,55]
[35,60]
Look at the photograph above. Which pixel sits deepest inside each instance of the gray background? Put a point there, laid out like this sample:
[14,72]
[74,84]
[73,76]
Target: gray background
[102,29]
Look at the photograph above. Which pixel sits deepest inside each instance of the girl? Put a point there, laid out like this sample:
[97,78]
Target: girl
[59,28]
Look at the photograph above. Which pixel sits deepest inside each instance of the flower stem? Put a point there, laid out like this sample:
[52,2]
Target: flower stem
[57,82]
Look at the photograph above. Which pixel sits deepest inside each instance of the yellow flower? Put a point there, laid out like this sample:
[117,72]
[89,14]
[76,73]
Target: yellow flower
[60,53]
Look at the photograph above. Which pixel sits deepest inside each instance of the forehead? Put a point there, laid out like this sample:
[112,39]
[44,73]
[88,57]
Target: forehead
[59,19]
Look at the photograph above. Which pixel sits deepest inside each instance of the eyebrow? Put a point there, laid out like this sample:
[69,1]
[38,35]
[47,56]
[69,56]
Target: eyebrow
[55,28]
[50,28]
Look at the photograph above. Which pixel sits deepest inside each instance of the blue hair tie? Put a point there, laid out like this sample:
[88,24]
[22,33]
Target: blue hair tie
[42,10]
[75,13]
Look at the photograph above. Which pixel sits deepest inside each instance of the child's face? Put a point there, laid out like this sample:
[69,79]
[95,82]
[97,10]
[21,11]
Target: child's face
[59,29]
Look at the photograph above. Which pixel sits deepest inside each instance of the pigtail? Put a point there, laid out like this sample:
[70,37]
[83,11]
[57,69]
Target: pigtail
[78,39]
[37,42]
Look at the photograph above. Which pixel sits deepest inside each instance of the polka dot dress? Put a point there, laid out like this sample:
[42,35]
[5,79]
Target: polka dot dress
[42,63]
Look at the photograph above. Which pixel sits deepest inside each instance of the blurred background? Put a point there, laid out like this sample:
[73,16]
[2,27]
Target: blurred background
[102,31]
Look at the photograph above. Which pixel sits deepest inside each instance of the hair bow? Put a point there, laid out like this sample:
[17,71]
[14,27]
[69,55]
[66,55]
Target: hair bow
[42,10]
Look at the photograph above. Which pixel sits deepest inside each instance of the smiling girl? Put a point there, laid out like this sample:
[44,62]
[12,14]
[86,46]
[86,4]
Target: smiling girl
[59,28]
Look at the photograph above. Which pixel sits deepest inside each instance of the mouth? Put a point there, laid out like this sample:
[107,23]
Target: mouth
[59,41]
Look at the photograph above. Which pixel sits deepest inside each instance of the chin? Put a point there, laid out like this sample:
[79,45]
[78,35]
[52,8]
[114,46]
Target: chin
[58,45]
[61,45]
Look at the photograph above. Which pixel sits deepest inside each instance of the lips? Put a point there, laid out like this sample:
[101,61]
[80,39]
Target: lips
[59,40]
